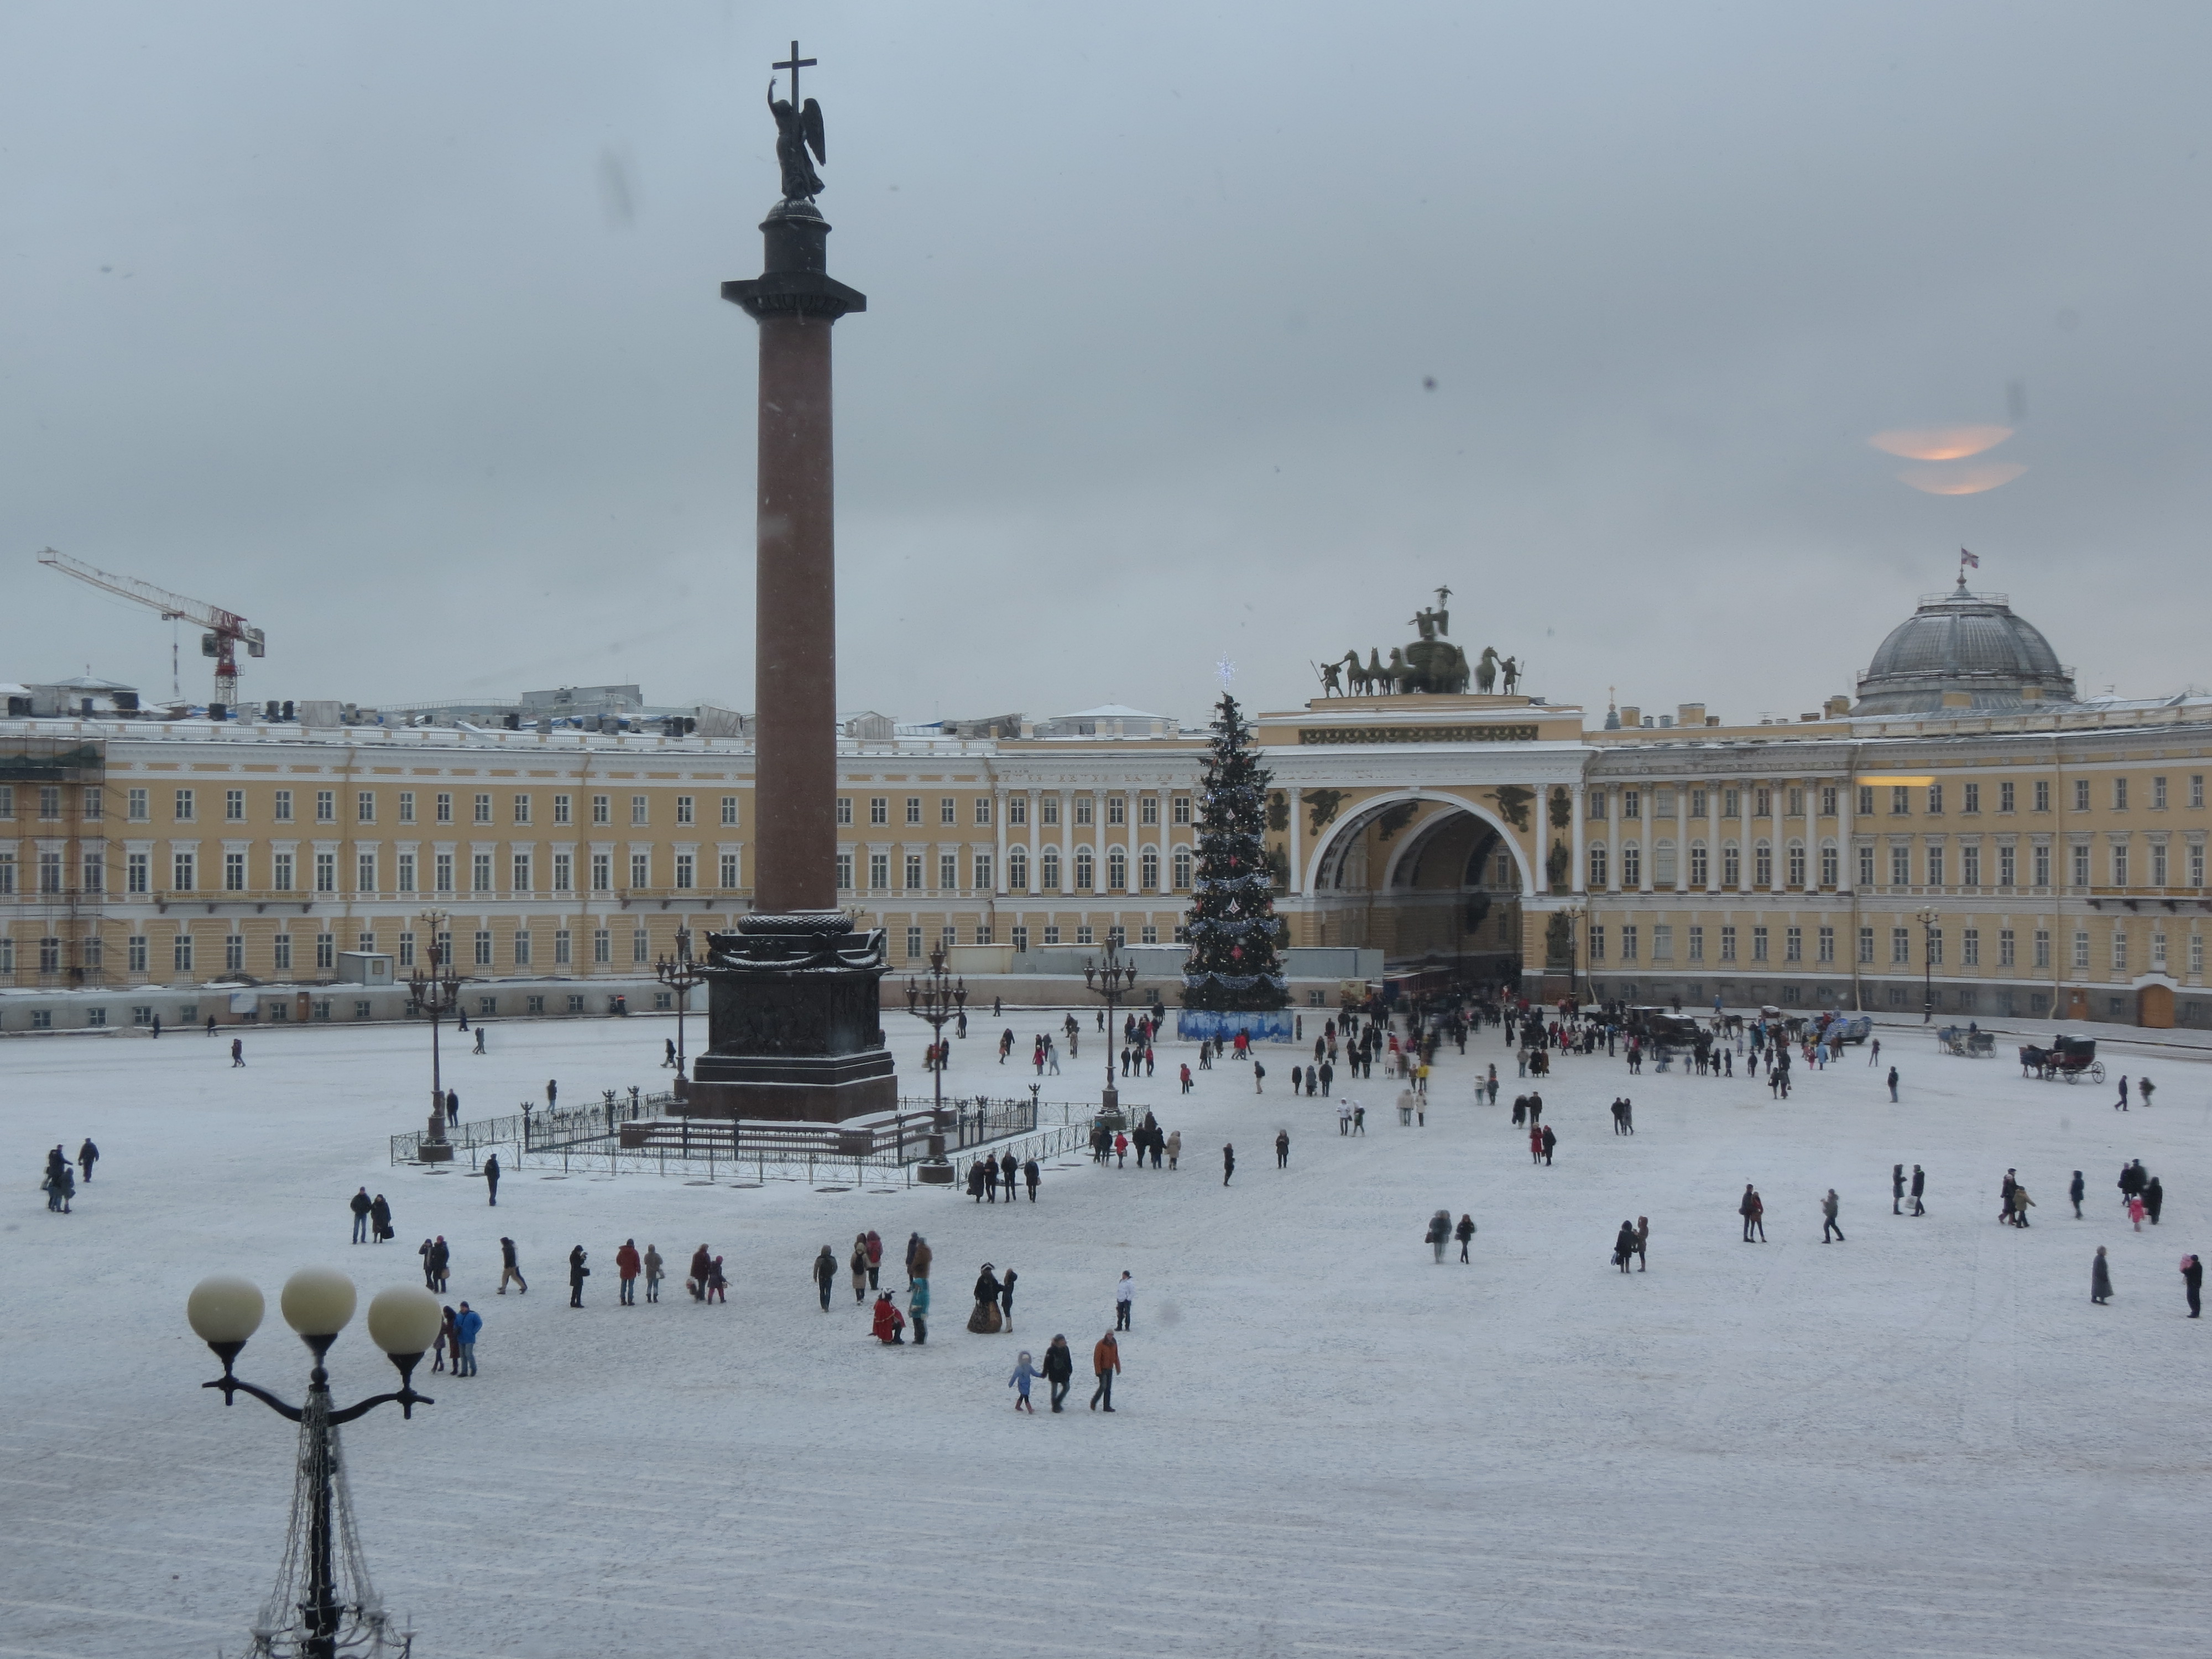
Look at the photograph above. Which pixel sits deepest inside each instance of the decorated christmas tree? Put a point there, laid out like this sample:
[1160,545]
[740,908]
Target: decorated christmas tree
[1232,966]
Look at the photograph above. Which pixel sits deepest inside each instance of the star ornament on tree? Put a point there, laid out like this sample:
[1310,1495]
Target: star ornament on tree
[1225,672]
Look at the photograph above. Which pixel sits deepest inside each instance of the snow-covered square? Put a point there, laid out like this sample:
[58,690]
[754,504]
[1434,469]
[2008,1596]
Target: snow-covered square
[1924,1439]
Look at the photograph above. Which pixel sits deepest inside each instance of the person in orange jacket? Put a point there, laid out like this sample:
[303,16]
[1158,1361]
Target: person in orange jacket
[627,1264]
[1105,1361]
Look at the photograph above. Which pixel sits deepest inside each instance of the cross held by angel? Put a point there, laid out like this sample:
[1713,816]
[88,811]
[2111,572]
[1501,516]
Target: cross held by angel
[798,130]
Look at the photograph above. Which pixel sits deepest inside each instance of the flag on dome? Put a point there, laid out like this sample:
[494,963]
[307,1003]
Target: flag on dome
[1968,561]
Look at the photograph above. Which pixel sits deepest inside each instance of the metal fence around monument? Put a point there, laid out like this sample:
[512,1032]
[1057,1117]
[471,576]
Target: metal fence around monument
[599,1129]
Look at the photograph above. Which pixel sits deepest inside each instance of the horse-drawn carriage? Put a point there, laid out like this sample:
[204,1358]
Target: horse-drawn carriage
[1967,1043]
[2071,1058]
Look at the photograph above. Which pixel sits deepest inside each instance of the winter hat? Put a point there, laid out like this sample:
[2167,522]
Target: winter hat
[1025,1356]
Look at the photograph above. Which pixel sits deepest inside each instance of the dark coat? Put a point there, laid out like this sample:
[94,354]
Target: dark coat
[2101,1277]
[1059,1363]
[986,1287]
[578,1273]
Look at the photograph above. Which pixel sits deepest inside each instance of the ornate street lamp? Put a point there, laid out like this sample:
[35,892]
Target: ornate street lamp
[1928,920]
[678,973]
[1576,915]
[437,994]
[1112,979]
[323,1605]
[936,1002]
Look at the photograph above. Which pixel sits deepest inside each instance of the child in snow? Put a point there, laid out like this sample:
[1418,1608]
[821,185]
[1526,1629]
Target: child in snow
[1023,1372]
[718,1287]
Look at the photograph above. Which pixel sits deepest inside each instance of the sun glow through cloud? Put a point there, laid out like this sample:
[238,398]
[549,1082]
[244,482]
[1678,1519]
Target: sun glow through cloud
[1939,443]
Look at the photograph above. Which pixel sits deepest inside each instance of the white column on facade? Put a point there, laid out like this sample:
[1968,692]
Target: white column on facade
[999,819]
[1066,841]
[1297,884]
[1648,835]
[1846,854]
[1578,881]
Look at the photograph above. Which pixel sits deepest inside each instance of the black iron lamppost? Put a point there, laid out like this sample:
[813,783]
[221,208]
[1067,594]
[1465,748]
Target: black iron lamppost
[931,999]
[678,973]
[323,1605]
[1112,979]
[436,993]
[938,1004]
[1927,920]
[1576,915]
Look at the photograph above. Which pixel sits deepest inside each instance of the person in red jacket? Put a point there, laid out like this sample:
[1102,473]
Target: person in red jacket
[888,1322]
[875,1256]
[627,1264]
[1105,1361]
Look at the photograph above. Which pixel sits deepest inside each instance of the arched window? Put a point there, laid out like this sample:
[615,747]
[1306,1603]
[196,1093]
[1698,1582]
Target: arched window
[1183,868]
[1796,864]
[1631,864]
[1830,869]
[1048,864]
[1663,863]
[1017,869]
[1083,870]
[1117,870]
[1731,865]
[1762,864]
[1698,863]
[1148,867]
[1597,863]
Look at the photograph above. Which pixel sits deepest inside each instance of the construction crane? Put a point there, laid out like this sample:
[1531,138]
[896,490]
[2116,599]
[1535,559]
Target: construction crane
[226,629]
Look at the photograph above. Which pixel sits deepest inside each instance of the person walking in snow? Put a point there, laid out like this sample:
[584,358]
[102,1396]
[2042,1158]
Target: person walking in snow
[2153,1197]
[447,1343]
[466,1328]
[2021,1203]
[1439,1234]
[1228,1162]
[1006,1297]
[1105,1365]
[2077,1192]
[1643,1241]
[1032,1175]
[578,1273]
[359,1205]
[491,1179]
[1174,1148]
[627,1265]
[2004,1195]
[508,1268]
[917,1305]
[1123,1293]
[237,1053]
[1549,1141]
[1025,1373]
[379,1219]
[1754,1211]
[88,1155]
[1059,1370]
[1897,1189]
[1892,1083]
[859,1264]
[2100,1279]
[2193,1285]
[1919,1185]
[1464,1233]
[825,1274]
[1829,1205]
[654,1267]
[1282,1149]
[1624,1245]
[986,1320]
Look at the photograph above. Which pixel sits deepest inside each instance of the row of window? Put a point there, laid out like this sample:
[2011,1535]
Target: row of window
[1761,801]
[1017,810]
[444,806]
[1018,870]
[187,951]
[1971,939]
[1020,937]
[1936,869]
[445,872]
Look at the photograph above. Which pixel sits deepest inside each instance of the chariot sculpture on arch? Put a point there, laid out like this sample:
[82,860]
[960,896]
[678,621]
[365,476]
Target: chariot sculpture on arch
[1430,663]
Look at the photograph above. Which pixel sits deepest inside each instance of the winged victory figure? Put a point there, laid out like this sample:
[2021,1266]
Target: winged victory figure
[796,132]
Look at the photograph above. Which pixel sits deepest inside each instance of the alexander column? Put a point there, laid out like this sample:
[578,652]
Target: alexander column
[794,1022]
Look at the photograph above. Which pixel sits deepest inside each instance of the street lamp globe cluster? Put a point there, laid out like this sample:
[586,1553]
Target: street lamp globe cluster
[436,992]
[1112,979]
[323,1605]
[680,975]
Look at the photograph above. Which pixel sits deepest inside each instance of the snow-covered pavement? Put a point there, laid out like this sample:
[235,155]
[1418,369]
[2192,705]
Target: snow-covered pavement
[1922,1440]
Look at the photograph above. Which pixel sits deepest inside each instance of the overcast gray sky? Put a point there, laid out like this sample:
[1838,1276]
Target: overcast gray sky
[396,328]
